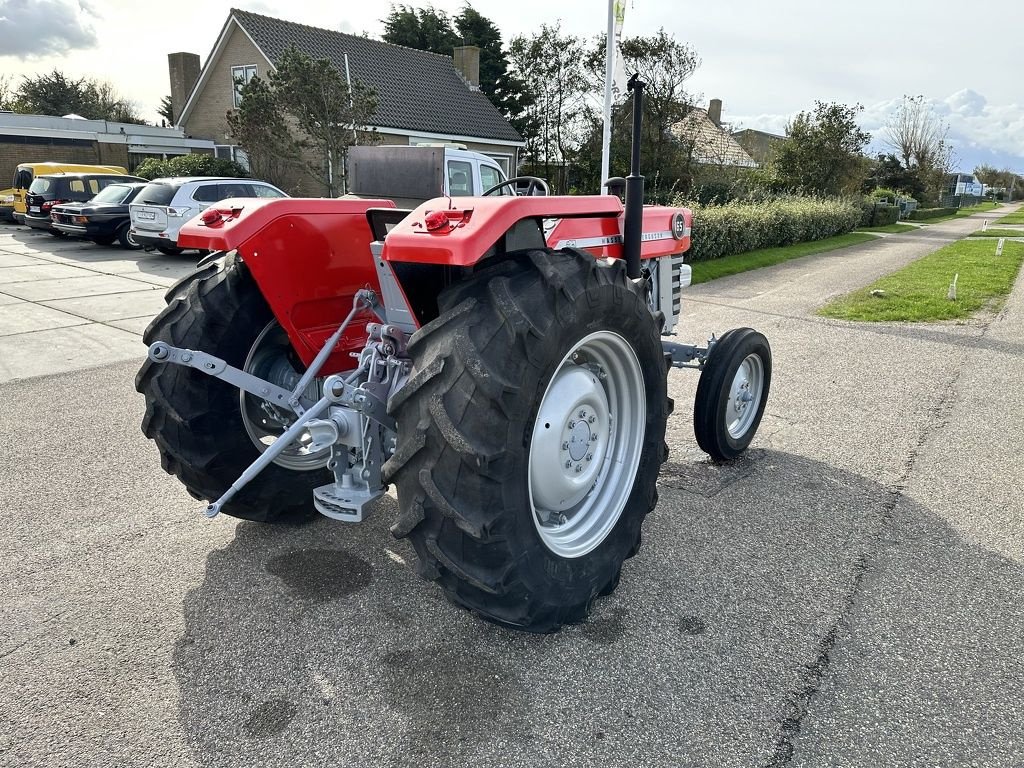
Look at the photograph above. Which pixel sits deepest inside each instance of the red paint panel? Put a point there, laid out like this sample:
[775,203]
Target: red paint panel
[475,224]
[308,258]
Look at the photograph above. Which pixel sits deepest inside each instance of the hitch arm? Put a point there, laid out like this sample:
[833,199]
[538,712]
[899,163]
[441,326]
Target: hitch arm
[161,352]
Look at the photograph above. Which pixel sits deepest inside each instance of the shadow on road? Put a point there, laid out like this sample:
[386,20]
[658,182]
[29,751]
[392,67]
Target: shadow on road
[780,607]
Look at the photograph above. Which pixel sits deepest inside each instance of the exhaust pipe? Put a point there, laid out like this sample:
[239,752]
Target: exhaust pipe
[632,233]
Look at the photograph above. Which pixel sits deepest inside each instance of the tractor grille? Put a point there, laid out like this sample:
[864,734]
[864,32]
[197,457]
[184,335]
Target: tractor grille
[677,287]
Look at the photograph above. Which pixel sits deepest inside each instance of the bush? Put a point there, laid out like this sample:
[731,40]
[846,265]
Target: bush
[188,165]
[931,213]
[737,227]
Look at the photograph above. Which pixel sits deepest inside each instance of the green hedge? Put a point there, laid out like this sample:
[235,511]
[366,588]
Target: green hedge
[188,165]
[737,227]
[931,213]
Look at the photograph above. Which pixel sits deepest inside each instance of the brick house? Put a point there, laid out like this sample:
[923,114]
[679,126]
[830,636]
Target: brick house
[422,97]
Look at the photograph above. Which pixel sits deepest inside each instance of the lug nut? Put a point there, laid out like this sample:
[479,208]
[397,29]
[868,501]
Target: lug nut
[568,464]
[591,419]
[579,467]
[565,446]
[571,424]
[590,457]
[583,414]
[186,358]
[593,437]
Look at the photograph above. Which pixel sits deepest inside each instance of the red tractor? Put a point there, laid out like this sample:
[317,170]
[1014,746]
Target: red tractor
[499,359]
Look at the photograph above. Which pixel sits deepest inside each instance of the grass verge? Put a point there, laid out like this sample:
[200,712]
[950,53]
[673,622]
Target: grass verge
[703,271]
[1013,218]
[998,233]
[889,228]
[918,292]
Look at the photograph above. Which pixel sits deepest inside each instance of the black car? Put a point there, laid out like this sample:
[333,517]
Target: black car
[56,188]
[103,219]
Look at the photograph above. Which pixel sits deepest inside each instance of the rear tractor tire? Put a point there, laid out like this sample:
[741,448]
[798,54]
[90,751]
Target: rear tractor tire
[530,436]
[732,393]
[206,430]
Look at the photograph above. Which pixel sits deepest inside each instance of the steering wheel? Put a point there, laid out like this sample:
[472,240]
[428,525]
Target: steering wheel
[532,183]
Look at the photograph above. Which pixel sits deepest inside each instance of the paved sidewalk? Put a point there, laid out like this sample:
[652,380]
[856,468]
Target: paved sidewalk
[70,304]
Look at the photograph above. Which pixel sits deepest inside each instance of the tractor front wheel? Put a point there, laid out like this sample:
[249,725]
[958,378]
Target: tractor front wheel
[732,393]
[530,436]
[208,431]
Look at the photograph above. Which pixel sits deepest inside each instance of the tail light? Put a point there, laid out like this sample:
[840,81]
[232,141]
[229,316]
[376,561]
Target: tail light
[50,203]
[177,212]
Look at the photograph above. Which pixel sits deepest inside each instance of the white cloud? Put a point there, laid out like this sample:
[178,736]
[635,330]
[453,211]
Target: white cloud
[38,28]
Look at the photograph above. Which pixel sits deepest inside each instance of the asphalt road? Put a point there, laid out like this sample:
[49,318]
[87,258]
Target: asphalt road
[848,594]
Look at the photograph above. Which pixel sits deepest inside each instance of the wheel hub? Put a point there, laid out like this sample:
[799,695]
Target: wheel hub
[744,395]
[587,444]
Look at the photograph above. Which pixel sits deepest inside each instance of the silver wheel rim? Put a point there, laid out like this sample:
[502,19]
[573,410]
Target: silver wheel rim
[587,443]
[745,395]
[131,239]
[269,360]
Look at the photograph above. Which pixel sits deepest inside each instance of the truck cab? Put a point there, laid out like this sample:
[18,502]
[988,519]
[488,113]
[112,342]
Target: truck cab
[410,175]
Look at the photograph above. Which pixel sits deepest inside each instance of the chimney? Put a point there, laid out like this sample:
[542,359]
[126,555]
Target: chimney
[715,111]
[184,71]
[467,61]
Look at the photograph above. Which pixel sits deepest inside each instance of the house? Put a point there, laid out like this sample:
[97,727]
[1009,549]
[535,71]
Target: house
[711,143]
[758,144]
[42,138]
[422,97]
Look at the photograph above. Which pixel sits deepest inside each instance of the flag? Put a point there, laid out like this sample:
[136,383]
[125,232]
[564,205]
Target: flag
[619,78]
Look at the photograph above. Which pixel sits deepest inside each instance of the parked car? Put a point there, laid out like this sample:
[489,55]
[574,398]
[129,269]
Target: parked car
[6,205]
[56,188]
[160,209]
[25,173]
[103,219]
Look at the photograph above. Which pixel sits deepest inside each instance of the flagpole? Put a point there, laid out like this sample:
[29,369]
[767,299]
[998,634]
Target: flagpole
[609,67]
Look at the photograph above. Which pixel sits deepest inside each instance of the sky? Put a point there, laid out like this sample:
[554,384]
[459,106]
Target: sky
[765,60]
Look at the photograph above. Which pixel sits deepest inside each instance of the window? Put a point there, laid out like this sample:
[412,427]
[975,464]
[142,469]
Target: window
[231,152]
[460,178]
[115,193]
[241,76]
[207,193]
[156,194]
[504,161]
[77,185]
[489,177]
[265,190]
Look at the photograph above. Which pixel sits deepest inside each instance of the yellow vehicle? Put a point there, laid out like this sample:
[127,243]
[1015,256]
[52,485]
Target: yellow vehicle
[6,205]
[26,172]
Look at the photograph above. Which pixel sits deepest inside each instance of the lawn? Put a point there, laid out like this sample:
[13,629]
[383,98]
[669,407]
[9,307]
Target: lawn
[703,271]
[998,233]
[893,228]
[918,292]
[1013,218]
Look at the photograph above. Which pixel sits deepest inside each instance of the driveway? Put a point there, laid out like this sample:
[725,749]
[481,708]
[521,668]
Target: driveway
[69,304]
[847,594]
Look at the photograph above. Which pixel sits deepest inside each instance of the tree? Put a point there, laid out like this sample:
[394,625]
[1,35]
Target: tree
[166,110]
[557,116]
[188,165]
[328,112]
[54,93]
[888,172]
[259,127]
[425,29]
[823,151]
[7,94]
[503,89]
[921,139]
[665,65]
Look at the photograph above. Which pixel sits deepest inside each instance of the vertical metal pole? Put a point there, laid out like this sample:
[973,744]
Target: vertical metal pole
[609,66]
[632,234]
